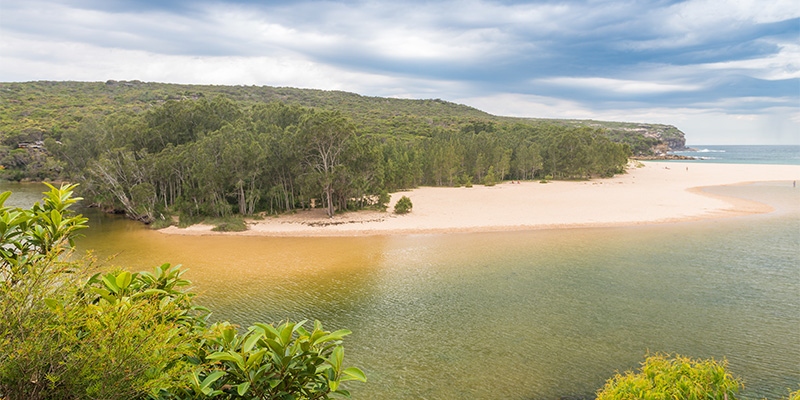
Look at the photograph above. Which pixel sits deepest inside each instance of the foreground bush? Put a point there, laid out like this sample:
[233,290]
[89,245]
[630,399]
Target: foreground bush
[663,377]
[119,335]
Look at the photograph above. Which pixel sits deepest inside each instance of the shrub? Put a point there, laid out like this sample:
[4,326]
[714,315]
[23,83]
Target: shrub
[403,206]
[123,335]
[230,224]
[664,377]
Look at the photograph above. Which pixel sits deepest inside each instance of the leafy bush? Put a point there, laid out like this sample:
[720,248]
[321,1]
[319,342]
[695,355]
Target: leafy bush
[123,335]
[231,224]
[403,206]
[663,377]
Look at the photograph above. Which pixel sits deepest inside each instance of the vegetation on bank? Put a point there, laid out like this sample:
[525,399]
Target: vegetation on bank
[72,332]
[33,112]
[68,334]
[219,157]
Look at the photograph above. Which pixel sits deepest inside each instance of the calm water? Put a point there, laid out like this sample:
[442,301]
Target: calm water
[521,315]
[785,155]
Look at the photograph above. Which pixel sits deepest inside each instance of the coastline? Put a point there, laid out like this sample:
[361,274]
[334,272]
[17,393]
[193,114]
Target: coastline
[658,192]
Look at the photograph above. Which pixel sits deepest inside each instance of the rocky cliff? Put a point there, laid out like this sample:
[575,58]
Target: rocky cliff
[669,135]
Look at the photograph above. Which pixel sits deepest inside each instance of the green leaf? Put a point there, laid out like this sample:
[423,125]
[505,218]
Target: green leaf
[251,341]
[242,388]
[276,347]
[222,355]
[337,358]
[286,334]
[355,373]
[3,197]
[333,336]
[228,334]
[269,330]
[255,358]
[105,294]
[211,378]
[123,280]
[55,217]
[111,284]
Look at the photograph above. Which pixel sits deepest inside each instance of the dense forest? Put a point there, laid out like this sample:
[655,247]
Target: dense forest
[219,157]
[152,150]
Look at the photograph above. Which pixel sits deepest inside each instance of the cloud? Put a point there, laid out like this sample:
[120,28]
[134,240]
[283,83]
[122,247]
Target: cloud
[84,62]
[780,66]
[622,86]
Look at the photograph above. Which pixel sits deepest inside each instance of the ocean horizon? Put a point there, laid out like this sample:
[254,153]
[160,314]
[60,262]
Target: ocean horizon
[743,154]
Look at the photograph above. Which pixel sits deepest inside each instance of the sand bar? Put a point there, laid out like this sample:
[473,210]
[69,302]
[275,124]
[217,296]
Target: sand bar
[658,192]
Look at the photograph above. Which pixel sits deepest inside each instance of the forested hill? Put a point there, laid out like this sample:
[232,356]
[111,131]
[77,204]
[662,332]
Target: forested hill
[34,111]
[154,150]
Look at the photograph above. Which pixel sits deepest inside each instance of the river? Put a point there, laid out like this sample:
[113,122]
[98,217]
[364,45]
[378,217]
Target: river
[516,315]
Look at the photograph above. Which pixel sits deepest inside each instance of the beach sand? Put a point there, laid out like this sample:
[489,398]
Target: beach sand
[658,192]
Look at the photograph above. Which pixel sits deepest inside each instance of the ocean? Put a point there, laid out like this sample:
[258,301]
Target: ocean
[763,154]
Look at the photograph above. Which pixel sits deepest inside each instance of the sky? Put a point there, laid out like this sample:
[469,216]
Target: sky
[722,71]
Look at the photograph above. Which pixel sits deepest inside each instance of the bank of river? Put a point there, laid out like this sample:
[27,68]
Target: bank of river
[517,315]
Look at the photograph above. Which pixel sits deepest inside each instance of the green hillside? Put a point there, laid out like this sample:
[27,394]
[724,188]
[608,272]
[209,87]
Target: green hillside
[32,111]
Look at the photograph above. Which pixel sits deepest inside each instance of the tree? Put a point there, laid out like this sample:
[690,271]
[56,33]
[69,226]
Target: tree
[326,135]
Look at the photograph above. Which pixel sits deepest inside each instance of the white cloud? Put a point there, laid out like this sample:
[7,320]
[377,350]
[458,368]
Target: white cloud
[23,59]
[525,106]
[621,85]
[695,22]
[746,102]
[783,65]
[694,14]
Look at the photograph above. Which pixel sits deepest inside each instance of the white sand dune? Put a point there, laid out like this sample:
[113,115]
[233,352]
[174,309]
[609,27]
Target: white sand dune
[659,192]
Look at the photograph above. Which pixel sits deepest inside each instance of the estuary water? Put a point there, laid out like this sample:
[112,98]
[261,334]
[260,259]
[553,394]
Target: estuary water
[515,315]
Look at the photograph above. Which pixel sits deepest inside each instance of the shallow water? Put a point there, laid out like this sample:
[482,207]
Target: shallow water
[518,315]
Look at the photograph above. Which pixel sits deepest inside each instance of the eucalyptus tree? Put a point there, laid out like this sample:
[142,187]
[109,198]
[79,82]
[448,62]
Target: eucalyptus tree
[326,135]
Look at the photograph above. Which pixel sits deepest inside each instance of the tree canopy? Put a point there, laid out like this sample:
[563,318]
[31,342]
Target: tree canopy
[218,157]
[33,113]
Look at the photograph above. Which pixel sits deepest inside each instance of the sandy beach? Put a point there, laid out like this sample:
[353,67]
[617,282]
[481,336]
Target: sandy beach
[658,192]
